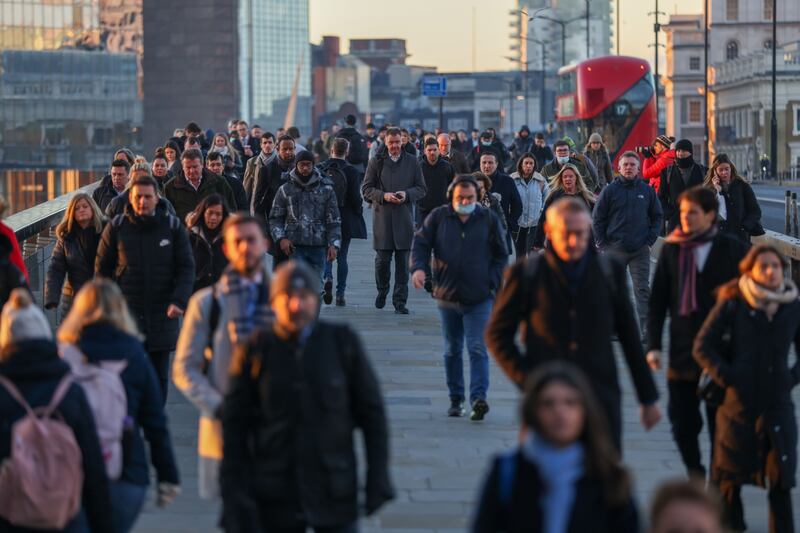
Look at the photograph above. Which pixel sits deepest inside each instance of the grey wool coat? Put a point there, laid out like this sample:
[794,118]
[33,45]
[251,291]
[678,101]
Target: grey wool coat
[393,224]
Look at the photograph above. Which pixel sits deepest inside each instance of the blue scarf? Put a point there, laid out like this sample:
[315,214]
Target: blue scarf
[560,469]
[248,301]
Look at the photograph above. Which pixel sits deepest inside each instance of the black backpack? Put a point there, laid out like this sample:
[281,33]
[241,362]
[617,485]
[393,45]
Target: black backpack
[335,177]
[358,153]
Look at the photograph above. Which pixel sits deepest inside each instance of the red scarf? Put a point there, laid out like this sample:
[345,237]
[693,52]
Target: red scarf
[687,268]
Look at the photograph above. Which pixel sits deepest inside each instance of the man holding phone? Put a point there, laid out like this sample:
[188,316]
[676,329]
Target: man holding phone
[393,183]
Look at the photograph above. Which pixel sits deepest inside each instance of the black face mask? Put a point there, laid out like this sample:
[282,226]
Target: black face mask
[686,162]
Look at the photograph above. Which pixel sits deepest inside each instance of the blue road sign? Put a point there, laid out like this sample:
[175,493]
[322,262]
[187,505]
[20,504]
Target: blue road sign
[434,86]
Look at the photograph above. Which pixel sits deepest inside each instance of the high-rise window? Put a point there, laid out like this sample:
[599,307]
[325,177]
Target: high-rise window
[731,9]
[731,50]
[695,111]
[694,63]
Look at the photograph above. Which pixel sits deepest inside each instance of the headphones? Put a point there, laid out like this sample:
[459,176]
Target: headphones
[461,179]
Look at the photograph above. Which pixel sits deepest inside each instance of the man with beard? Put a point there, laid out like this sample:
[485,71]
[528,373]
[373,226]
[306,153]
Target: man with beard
[304,220]
[266,186]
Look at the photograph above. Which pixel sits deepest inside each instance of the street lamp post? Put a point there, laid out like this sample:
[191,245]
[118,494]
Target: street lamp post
[705,78]
[773,124]
[543,45]
[563,24]
[587,29]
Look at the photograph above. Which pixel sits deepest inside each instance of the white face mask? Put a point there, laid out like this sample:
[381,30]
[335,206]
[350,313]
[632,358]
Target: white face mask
[563,159]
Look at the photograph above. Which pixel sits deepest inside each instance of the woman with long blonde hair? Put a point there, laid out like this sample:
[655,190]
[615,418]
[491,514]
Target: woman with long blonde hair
[102,328]
[222,145]
[72,262]
[568,182]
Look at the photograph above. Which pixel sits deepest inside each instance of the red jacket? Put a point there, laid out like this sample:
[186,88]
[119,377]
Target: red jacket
[653,165]
[16,254]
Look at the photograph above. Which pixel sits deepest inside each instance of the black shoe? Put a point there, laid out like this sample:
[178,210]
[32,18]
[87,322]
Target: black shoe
[479,410]
[340,300]
[380,300]
[428,285]
[400,309]
[327,294]
[456,407]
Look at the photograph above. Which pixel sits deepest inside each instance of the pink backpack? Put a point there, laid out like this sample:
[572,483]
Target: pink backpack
[41,480]
[106,395]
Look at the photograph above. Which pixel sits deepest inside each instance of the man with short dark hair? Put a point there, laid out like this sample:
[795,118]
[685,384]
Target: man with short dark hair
[255,164]
[627,222]
[114,186]
[220,318]
[562,157]
[503,185]
[192,183]
[298,391]
[294,133]
[304,219]
[147,253]
[468,245]
[694,262]
[438,175]
[267,183]
[541,151]
[568,302]
[484,146]
[358,153]
[351,208]
[393,183]
[245,144]
[215,162]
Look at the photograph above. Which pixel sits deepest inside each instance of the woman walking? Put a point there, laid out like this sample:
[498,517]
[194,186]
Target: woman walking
[739,212]
[205,238]
[568,182]
[744,347]
[533,189]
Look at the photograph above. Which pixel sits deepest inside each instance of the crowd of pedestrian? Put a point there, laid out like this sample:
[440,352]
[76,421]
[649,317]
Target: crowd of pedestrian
[172,255]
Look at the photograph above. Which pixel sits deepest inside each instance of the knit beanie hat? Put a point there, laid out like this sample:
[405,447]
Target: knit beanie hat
[304,155]
[685,144]
[21,320]
[595,138]
[665,141]
[569,141]
[293,276]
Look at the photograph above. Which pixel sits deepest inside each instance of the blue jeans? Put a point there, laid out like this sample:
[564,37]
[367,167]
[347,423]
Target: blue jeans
[313,256]
[460,322]
[341,268]
[127,500]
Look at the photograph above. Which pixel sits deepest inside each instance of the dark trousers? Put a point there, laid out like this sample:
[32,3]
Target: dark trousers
[160,361]
[347,528]
[383,272]
[683,410]
[523,240]
[781,519]
[341,268]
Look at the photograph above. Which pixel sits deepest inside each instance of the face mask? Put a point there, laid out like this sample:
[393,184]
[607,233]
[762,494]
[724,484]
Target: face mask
[563,160]
[686,162]
[465,209]
[486,143]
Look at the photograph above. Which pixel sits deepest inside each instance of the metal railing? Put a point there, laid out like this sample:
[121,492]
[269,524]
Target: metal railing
[35,231]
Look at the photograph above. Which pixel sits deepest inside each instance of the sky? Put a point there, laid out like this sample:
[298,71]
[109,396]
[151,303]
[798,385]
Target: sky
[438,33]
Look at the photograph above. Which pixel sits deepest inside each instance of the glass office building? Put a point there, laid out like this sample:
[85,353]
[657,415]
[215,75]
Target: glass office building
[66,101]
[274,58]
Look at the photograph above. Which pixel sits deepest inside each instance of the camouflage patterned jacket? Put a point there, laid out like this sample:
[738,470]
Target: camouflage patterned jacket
[306,213]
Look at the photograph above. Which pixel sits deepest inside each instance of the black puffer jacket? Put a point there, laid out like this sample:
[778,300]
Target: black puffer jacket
[753,366]
[267,182]
[70,261]
[288,425]
[117,206]
[104,193]
[35,368]
[151,260]
[209,260]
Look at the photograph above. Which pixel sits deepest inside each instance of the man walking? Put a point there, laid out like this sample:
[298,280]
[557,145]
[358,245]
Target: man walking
[351,208]
[215,162]
[304,220]
[627,221]
[358,153]
[267,182]
[193,183]
[217,320]
[438,175]
[562,157]
[147,253]
[255,164]
[468,244]
[683,175]
[106,192]
[452,156]
[569,301]
[694,262]
[393,183]
[503,185]
[299,390]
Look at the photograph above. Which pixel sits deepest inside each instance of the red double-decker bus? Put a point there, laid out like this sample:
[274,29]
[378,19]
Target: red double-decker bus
[612,96]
